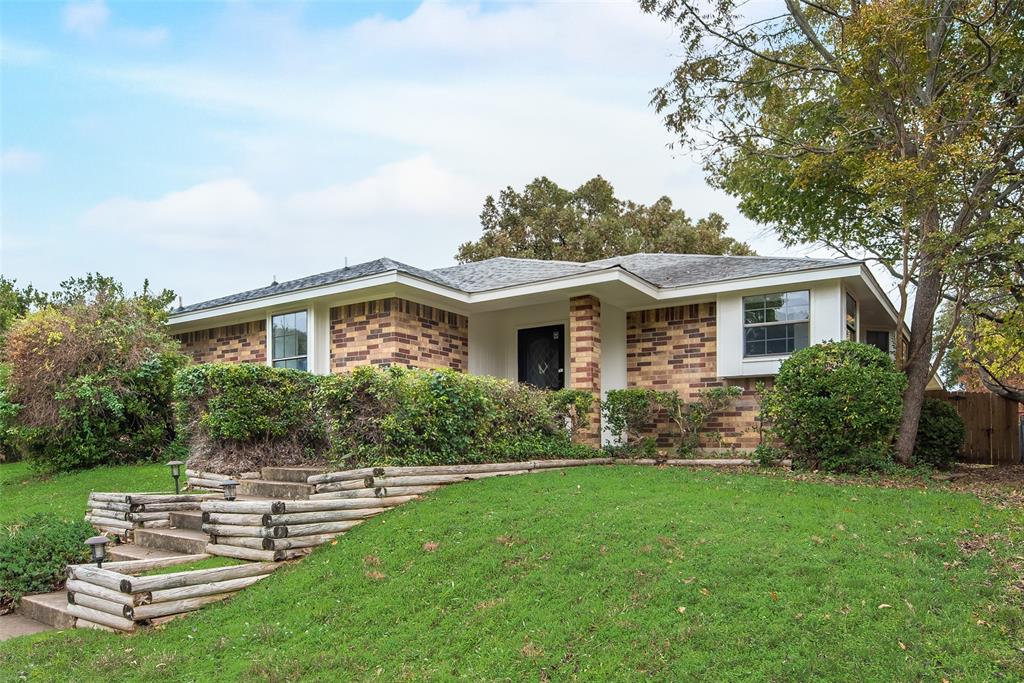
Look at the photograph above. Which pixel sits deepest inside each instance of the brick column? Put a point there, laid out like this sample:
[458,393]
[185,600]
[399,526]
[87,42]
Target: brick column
[585,358]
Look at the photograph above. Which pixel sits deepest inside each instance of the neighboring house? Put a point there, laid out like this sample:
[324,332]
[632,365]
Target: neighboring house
[667,321]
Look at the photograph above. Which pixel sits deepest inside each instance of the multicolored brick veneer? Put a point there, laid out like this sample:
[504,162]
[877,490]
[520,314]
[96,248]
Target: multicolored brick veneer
[242,343]
[675,348]
[396,331]
[585,357]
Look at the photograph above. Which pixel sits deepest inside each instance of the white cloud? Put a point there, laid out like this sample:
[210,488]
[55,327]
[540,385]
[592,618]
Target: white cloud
[210,215]
[403,201]
[17,160]
[91,18]
[19,54]
[85,18]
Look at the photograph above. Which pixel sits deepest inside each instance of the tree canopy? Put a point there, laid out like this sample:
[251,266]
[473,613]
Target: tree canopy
[546,221]
[891,129]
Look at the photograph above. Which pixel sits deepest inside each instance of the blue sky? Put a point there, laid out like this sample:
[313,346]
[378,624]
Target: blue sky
[213,146]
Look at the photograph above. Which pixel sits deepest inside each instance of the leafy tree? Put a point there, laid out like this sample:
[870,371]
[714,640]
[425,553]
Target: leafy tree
[892,129]
[15,302]
[546,221]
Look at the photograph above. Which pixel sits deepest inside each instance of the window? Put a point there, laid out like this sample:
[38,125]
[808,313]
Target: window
[288,340]
[851,318]
[878,339]
[776,324]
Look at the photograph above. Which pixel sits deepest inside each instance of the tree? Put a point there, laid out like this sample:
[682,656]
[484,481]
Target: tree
[15,302]
[891,129]
[546,221]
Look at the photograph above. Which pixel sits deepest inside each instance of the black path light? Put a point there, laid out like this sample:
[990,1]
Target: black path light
[230,485]
[98,548]
[175,466]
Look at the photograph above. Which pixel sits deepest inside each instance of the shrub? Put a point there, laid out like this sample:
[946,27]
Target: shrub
[236,418]
[35,553]
[690,416]
[8,412]
[627,412]
[940,434]
[836,406]
[93,379]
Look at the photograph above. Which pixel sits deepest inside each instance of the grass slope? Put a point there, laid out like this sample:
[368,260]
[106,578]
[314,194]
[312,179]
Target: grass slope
[22,492]
[597,574]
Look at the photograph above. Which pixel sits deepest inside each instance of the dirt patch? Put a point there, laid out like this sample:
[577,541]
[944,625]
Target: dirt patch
[207,455]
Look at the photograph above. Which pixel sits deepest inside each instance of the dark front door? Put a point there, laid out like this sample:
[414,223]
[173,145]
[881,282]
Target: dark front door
[542,356]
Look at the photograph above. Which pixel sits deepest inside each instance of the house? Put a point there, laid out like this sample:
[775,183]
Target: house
[665,321]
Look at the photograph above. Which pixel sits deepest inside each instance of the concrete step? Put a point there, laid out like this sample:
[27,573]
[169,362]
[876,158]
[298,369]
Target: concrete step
[293,474]
[274,489]
[179,541]
[47,608]
[14,625]
[189,519]
[130,551]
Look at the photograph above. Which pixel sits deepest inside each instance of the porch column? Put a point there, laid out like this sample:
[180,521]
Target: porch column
[585,358]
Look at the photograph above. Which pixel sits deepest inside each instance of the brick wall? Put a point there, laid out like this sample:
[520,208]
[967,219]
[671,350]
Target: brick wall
[396,331]
[675,348]
[585,357]
[242,343]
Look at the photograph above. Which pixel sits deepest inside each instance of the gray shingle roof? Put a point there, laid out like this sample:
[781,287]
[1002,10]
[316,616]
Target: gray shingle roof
[661,270]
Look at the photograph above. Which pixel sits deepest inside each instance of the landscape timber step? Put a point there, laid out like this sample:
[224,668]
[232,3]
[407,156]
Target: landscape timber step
[180,541]
[296,475]
[14,625]
[188,519]
[130,551]
[48,608]
[264,488]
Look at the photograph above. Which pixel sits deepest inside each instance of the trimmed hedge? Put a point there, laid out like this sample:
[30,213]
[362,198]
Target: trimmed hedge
[940,434]
[236,418]
[35,553]
[836,406]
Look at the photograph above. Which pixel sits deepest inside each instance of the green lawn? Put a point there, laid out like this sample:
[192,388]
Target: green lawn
[22,492]
[606,573]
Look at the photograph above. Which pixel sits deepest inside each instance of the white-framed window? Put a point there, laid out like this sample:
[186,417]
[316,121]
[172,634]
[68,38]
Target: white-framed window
[289,334]
[776,324]
[851,317]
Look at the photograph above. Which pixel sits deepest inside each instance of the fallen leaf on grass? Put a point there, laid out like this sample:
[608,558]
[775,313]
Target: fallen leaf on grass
[902,646]
[375,576]
[430,546]
[705,592]
[884,606]
[681,609]
[774,596]
[531,650]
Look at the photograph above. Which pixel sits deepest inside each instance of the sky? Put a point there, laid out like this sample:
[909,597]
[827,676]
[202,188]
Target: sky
[214,147]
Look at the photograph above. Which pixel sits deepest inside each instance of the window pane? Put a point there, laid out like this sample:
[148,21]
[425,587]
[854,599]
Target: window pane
[801,336]
[879,339]
[289,336]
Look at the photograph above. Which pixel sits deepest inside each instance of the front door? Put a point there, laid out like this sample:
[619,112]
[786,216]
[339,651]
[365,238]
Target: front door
[542,356]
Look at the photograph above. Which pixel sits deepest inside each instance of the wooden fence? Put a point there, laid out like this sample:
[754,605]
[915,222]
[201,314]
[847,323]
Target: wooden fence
[993,426]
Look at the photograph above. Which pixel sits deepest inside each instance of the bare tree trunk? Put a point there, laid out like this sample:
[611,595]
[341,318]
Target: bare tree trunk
[918,365]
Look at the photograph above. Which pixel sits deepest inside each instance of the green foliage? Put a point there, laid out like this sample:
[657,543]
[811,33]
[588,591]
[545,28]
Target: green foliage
[626,413]
[8,412]
[244,416]
[15,303]
[35,553]
[629,412]
[572,407]
[690,416]
[940,434]
[768,455]
[548,222]
[836,406]
[93,378]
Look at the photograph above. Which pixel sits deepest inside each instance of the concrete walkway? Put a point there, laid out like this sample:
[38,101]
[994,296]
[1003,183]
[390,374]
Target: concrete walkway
[14,625]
